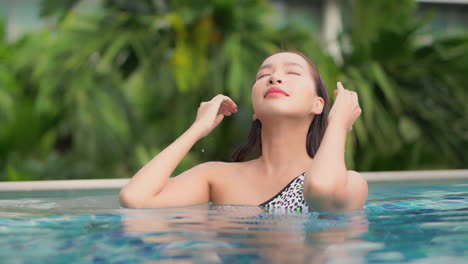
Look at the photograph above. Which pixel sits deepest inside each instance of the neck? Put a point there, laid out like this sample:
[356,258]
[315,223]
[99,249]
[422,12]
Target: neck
[284,147]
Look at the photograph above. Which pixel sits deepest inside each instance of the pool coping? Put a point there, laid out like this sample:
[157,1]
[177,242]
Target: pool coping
[119,183]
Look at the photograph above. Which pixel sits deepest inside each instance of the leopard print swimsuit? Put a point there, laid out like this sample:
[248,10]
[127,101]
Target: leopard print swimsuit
[289,199]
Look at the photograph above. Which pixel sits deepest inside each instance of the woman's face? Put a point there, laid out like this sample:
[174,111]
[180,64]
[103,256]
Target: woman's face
[284,87]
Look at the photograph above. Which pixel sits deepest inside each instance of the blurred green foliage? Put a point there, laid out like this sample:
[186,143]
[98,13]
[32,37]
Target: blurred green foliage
[411,86]
[102,92]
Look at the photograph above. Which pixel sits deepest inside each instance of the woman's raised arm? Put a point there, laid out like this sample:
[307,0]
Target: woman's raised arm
[151,187]
[329,186]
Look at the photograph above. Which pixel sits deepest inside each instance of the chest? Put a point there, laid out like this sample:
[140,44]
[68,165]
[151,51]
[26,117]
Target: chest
[289,199]
[247,189]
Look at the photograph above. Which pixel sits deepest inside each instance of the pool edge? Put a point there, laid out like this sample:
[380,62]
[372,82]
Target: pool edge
[119,183]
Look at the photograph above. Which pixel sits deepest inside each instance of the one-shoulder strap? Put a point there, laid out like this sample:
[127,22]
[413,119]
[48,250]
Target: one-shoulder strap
[282,190]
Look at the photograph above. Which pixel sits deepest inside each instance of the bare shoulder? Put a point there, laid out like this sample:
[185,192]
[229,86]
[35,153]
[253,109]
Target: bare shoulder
[211,169]
[214,166]
[211,165]
[358,190]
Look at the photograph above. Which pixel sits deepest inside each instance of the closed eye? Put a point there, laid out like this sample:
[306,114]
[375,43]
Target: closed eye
[261,76]
[296,73]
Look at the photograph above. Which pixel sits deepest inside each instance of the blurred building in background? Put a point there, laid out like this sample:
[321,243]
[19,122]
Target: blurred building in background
[449,16]
[21,16]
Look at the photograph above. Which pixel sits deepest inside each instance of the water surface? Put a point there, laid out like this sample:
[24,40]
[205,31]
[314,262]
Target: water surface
[404,222]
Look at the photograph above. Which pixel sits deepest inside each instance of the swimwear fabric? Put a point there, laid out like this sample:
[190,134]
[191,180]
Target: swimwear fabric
[289,199]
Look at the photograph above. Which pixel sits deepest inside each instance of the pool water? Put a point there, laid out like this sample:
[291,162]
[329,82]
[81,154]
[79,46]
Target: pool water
[404,222]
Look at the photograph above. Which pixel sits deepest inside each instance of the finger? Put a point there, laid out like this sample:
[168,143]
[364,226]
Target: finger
[355,97]
[218,96]
[229,104]
[224,111]
[228,107]
[220,99]
[340,86]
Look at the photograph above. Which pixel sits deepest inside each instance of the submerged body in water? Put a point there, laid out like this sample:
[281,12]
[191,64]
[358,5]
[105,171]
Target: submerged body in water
[418,222]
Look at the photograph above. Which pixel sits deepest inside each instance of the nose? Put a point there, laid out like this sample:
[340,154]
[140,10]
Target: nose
[274,79]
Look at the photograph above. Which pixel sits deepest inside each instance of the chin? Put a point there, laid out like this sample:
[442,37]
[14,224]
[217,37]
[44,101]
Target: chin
[272,108]
[276,114]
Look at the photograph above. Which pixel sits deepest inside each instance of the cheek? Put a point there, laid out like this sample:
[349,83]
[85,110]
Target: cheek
[304,98]
[305,91]
[257,92]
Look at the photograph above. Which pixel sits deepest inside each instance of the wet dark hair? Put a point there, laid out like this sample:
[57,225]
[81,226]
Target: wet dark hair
[316,129]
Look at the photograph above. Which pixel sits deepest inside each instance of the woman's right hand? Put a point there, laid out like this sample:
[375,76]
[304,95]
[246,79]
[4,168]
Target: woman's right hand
[211,113]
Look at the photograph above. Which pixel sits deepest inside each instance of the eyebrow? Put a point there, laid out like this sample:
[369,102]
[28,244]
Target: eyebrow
[286,64]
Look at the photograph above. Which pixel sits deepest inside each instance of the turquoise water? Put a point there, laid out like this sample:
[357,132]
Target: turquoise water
[405,222]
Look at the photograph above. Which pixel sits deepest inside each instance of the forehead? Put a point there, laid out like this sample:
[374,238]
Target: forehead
[285,57]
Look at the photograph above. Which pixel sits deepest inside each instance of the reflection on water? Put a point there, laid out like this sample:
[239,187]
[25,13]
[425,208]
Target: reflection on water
[198,234]
[228,233]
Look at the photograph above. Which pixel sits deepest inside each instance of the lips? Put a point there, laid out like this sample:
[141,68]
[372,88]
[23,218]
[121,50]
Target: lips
[275,92]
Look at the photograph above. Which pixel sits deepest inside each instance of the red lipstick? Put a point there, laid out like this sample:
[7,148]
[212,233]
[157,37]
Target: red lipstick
[275,92]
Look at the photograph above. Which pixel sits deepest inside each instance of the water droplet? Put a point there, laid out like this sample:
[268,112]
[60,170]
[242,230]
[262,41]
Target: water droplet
[202,150]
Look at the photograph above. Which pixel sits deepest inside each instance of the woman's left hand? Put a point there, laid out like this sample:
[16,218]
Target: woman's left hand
[346,108]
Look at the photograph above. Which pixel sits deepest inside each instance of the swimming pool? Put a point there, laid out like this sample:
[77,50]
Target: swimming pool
[403,222]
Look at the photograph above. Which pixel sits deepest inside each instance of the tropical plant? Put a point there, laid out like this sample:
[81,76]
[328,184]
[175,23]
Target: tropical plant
[112,83]
[411,87]
[122,82]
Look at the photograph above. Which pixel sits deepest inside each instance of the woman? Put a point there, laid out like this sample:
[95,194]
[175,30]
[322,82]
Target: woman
[302,144]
